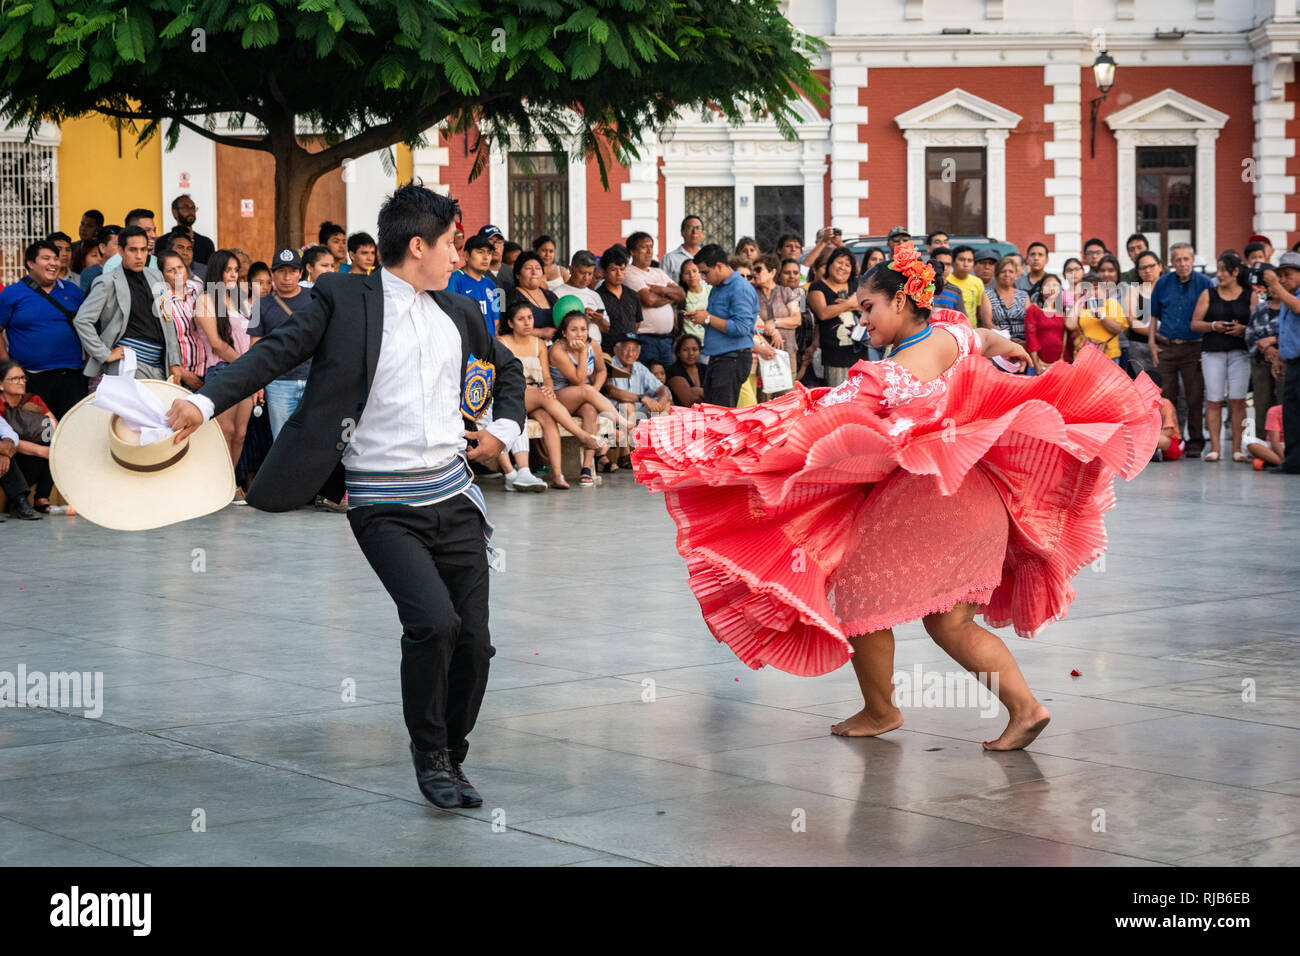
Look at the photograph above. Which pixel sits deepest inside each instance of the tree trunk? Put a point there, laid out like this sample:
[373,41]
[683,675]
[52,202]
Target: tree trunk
[296,171]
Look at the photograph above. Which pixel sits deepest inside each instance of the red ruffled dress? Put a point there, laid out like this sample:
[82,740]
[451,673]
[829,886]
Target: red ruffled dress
[832,512]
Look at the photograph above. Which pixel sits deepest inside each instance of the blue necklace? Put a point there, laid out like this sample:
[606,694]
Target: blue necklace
[909,341]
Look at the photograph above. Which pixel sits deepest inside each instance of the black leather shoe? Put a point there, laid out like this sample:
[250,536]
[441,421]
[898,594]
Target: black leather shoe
[434,774]
[23,511]
[469,797]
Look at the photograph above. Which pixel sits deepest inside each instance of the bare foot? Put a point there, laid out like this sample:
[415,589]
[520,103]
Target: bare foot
[863,724]
[1021,733]
[557,481]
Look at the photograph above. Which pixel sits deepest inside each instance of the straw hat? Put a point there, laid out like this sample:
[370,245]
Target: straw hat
[111,479]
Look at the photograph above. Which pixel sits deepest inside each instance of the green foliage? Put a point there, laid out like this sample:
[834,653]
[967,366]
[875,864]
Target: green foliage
[352,66]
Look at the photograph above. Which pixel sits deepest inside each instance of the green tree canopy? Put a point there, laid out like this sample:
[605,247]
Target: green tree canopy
[370,73]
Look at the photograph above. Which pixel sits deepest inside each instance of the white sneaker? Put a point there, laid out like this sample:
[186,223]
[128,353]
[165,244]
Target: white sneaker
[529,482]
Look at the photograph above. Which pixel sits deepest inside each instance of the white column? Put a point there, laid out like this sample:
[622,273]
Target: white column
[1205,199]
[1272,149]
[641,191]
[813,170]
[1126,186]
[368,185]
[195,159]
[997,182]
[847,185]
[499,194]
[916,218]
[427,163]
[1065,150]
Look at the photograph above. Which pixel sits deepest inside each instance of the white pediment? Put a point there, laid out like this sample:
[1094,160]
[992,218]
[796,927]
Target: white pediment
[1167,109]
[958,109]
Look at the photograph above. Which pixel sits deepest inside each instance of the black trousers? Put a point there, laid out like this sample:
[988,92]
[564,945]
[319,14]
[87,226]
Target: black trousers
[1180,371]
[433,563]
[14,483]
[36,471]
[725,374]
[59,388]
[1291,416]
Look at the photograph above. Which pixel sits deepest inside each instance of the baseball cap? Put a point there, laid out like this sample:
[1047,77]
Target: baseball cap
[623,337]
[1289,260]
[898,231]
[989,255]
[490,232]
[285,258]
[566,305]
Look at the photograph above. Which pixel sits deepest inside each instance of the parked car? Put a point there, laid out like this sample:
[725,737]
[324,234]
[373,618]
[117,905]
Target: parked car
[860,244]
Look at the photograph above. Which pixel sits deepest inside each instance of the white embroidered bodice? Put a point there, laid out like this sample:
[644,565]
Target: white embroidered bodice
[898,385]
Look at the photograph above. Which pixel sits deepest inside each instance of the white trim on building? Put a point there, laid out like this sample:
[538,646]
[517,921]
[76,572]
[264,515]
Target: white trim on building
[1167,118]
[958,118]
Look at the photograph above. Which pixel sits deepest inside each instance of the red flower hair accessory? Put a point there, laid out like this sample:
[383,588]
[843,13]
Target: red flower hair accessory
[920,275]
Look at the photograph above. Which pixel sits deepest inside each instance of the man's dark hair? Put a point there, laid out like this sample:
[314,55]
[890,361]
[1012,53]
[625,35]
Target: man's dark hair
[688,219]
[615,255]
[938,232]
[177,201]
[1094,241]
[1037,242]
[135,215]
[95,216]
[583,259]
[944,250]
[56,236]
[1149,252]
[711,255]
[510,246]
[106,233]
[637,238]
[314,254]
[359,239]
[959,250]
[412,211]
[1253,247]
[328,230]
[1145,240]
[787,238]
[130,232]
[477,242]
[29,256]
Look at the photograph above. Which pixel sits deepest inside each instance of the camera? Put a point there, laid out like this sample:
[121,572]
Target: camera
[1257,273]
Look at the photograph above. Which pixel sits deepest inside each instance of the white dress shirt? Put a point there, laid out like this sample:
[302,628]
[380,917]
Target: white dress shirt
[412,418]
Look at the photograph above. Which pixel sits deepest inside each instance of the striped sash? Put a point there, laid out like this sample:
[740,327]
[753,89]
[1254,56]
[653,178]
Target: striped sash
[146,353]
[425,486]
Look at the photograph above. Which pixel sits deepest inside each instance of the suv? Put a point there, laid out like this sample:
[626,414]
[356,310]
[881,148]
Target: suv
[859,245]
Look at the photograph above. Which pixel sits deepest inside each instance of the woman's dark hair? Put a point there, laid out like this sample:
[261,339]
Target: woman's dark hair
[170,254]
[866,253]
[567,320]
[746,241]
[6,367]
[681,340]
[843,252]
[1112,260]
[1066,267]
[503,322]
[523,259]
[1037,297]
[890,282]
[256,268]
[1240,271]
[1148,253]
[540,240]
[412,211]
[217,263]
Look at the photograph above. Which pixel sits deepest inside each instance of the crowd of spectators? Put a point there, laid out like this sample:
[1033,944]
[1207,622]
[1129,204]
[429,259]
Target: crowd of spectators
[626,334]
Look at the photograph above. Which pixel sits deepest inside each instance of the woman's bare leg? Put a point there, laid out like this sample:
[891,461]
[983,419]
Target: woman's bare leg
[574,395]
[984,654]
[551,442]
[533,399]
[589,421]
[873,663]
[1214,418]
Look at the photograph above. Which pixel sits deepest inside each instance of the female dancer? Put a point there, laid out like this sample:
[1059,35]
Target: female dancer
[989,489]
[515,329]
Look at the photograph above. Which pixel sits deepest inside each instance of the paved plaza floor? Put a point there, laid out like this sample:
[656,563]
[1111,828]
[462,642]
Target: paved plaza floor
[251,715]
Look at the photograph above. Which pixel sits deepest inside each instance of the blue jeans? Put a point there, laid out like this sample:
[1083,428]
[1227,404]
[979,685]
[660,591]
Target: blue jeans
[282,398]
[656,350]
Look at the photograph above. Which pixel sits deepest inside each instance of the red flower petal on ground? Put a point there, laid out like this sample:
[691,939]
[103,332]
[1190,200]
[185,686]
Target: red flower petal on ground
[1075,674]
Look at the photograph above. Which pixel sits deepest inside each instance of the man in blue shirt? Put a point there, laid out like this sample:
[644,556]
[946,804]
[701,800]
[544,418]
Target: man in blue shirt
[1173,299]
[473,280]
[728,327]
[1283,283]
[36,316]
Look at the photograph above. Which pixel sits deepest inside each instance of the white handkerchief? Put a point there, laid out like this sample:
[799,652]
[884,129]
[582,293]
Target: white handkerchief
[132,402]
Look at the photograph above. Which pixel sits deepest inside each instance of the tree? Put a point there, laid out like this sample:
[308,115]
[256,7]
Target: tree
[370,73]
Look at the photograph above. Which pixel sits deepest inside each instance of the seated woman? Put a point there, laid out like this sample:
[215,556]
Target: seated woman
[577,376]
[530,287]
[515,330]
[685,379]
[31,419]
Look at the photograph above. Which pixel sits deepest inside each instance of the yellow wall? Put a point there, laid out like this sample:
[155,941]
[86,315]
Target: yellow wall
[91,176]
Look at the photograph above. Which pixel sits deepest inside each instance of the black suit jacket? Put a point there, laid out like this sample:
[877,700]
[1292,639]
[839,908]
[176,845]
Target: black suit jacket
[341,331]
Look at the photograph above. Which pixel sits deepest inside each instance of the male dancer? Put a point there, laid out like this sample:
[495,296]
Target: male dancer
[384,396]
